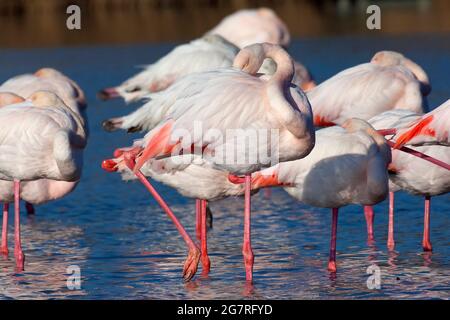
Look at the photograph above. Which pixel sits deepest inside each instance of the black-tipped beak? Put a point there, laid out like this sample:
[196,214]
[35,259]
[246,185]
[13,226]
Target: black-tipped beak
[111,125]
[107,94]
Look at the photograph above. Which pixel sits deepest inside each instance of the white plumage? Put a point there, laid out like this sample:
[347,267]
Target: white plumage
[250,26]
[368,89]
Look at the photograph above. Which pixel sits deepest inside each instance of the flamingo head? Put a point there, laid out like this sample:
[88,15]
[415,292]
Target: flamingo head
[7,98]
[250,58]
[392,58]
[355,125]
[47,73]
[46,99]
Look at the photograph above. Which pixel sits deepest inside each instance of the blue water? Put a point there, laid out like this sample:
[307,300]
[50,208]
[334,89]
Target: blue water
[127,248]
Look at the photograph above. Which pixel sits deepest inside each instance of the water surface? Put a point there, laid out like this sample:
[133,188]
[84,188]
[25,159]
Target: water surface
[127,248]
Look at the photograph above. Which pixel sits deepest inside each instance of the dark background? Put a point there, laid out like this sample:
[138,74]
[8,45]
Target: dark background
[37,23]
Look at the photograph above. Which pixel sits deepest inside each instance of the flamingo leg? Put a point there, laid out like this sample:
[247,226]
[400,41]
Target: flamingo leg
[204,235]
[369,214]
[4,247]
[332,259]
[209,217]
[426,243]
[391,242]
[18,253]
[191,263]
[30,208]
[247,246]
[198,218]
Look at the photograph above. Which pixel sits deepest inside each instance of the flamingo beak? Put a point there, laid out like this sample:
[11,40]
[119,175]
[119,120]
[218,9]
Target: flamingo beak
[107,94]
[109,165]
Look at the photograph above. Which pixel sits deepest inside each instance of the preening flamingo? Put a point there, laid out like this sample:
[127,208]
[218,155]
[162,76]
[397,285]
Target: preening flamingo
[41,149]
[207,53]
[410,173]
[347,166]
[250,26]
[389,81]
[223,100]
[150,114]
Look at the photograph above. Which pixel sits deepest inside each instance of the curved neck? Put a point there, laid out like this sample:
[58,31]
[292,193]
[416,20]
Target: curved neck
[288,112]
[285,66]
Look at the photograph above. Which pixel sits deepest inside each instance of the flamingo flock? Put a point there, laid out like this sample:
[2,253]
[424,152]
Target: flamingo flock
[226,115]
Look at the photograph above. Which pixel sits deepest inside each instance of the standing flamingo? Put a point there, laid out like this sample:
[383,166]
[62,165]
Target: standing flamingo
[389,81]
[42,142]
[412,174]
[229,99]
[346,166]
[249,26]
[44,79]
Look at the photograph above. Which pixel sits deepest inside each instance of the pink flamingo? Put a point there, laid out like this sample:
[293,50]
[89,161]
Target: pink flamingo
[389,81]
[230,99]
[347,166]
[410,173]
[49,164]
[44,79]
[150,115]
[250,26]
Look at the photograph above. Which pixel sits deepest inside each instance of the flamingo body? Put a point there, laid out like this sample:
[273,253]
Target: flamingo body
[250,26]
[366,90]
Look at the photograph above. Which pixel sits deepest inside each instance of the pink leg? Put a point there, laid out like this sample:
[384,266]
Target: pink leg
[4,248]
[204,245]
[426,243]
[198,218]
[332,260]
[30,208]
[391,242]
[191,264]
[247,246]
[368,213]
[18,253]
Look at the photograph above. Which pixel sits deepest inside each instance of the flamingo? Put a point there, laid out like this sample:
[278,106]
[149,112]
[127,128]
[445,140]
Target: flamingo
[47,79]
[204,54]
[410,173]
[348,165]
[389,81]
[227,99]
[44,79]
[149,115]
[42,142]
[249,26]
